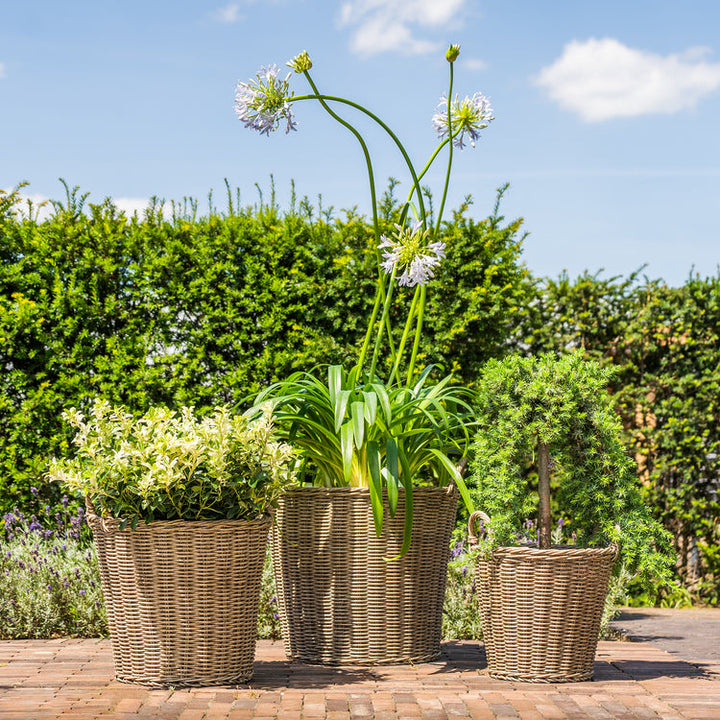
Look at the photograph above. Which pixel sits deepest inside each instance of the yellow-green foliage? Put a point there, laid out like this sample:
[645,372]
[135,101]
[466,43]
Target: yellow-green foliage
[170,465]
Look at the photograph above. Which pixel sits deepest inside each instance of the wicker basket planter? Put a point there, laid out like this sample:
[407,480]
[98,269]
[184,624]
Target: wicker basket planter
[339,601]
[541,610]
[182,598]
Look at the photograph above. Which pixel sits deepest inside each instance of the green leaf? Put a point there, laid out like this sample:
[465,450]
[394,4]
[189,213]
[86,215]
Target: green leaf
[376,498]
[334,382]
[392,477]
[371,401]
[382,396]
[341,401]
[357,413]
[346,443]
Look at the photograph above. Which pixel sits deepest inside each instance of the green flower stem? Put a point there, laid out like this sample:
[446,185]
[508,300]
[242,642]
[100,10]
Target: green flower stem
[406,332]
[432,158]
[371,176]
[379,296]
[423,292]
[373,199]
[383,321]
[395,139]
[450,153]
[418,330]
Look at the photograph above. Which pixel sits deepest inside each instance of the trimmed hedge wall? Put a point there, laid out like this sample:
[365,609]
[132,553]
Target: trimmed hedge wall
[176,309]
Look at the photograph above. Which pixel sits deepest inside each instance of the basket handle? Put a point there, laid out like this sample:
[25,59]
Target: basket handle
[474,517]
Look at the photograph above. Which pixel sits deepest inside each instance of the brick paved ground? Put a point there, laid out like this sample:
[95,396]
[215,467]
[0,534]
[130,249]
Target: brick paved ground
[70,678]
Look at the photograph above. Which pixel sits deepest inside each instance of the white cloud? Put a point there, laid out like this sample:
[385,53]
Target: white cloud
[26,203]
[390,25]
[604,79]
[228,14]
[2,70]
[473,63]
[42,207]
[131,205]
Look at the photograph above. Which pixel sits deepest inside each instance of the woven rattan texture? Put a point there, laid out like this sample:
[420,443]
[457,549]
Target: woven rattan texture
[182,598]
[541,610]
[340,601]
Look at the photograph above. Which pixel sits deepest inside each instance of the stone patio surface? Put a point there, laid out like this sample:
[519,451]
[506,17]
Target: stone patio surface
[73,678]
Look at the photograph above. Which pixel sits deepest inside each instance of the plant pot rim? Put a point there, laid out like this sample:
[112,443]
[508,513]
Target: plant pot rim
[321,490]
[566,552]
[112,524]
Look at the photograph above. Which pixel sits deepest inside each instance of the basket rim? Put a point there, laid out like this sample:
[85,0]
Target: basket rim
[112,524]
[564,552]
[346,489]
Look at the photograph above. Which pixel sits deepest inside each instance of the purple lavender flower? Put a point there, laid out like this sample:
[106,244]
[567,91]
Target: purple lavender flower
[34,524]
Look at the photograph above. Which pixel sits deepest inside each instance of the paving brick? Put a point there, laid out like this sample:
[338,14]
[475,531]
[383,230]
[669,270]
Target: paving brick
[73,679]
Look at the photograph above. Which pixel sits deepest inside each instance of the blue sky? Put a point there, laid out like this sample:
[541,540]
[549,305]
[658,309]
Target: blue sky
[606,112]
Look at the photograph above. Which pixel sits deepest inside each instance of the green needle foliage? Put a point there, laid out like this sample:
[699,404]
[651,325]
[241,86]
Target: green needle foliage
[562,403]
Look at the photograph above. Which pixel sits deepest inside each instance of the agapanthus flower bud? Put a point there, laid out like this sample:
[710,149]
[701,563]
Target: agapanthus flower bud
[452,53]
[300,63]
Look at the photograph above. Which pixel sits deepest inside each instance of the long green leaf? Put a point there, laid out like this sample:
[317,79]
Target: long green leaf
[384,401]
[334,381]
[393,474]
[371,402]
[346,443]
[407,481]
[357,415]
[376,499]
[456,476]
[341,401]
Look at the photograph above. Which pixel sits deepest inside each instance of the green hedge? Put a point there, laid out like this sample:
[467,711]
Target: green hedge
[173,309]
[179,309]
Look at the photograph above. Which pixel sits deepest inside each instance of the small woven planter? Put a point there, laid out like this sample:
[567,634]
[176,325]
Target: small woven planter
[339,601]
[541,610]
[182,598]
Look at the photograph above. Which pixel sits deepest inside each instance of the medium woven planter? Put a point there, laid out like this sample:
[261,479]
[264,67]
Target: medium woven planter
[541,610]
[182,598]
[340,601]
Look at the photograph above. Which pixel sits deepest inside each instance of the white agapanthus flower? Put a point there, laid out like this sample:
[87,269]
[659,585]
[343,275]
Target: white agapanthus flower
[468,117]
[407,250]
[262,104]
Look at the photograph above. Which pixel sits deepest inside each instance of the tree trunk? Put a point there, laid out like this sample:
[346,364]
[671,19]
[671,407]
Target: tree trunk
[544,531]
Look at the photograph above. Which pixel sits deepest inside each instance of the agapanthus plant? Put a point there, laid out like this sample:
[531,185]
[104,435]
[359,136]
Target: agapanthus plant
[358,427]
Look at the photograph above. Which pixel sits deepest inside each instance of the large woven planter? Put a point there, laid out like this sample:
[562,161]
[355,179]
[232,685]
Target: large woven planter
[541,610]
[182,598]
[340,601]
